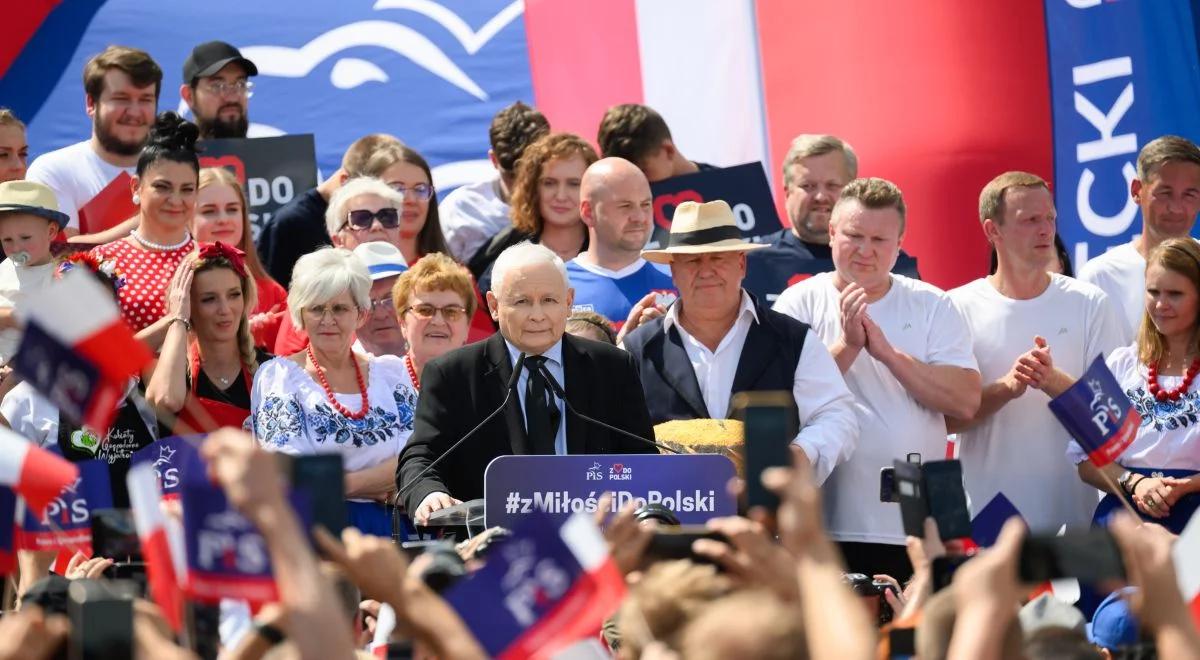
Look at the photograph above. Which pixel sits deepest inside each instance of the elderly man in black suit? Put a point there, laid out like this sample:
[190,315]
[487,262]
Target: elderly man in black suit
[531,300]
[718,340]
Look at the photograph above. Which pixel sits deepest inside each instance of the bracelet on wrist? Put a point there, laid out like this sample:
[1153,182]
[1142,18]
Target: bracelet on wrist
[1133,486]
[187,323]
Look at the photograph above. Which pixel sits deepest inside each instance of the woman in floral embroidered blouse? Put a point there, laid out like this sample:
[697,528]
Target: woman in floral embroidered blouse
[1158,470]
[329,399]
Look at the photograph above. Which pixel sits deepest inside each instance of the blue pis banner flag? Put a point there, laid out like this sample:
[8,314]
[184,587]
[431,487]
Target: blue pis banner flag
[1122,73]
[1098,414]
[67,521]
[546,587]
[8,527]
[171,457]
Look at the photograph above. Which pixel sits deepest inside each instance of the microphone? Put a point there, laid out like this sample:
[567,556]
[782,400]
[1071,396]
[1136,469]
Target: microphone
[558,392]
[509,388]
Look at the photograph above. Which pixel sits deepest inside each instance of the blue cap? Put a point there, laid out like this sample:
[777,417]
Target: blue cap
[1113,625]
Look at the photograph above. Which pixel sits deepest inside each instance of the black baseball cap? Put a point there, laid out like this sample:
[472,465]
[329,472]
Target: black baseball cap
[210,57]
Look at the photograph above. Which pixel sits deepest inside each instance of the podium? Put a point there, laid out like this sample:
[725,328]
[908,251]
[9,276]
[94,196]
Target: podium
[462,516]
[693,486]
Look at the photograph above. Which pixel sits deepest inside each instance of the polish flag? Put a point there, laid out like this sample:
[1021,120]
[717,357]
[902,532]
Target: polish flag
[36,474]
[152,528]
[1186,554]
[77,351]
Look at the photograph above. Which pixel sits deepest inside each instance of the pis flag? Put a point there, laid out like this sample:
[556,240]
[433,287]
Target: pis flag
[8,525]
[34,473]
[1098,414]
[66,523]
[160,554]
[226,554]
[78,352]
[542,590]
[170,458]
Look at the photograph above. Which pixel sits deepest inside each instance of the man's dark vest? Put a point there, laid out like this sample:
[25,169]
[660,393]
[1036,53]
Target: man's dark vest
[768,362]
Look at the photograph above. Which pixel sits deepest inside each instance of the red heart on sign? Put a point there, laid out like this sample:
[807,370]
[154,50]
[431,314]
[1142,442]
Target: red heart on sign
[667,200]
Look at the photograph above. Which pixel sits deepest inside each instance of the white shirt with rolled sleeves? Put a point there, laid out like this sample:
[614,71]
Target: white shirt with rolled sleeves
[1018,450]
[919,319]
[1121,275]
[828,425]
[470,215]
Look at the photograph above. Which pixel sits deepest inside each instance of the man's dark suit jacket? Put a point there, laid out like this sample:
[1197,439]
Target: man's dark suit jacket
[462,387]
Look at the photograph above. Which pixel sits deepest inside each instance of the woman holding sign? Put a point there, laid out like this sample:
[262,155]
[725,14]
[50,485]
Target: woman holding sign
[328,399]
[208,355]
[1158,471]
[221,216]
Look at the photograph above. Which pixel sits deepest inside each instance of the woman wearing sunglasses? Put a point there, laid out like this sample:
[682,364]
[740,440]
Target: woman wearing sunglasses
[330,399]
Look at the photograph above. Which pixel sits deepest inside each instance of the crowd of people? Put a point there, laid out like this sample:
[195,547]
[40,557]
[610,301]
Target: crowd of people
[373,320]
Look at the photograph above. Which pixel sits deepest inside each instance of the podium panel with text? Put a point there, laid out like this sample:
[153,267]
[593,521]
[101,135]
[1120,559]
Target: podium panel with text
[693,486]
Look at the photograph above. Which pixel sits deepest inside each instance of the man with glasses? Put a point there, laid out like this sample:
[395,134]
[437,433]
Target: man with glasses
[380,334]
[216,88]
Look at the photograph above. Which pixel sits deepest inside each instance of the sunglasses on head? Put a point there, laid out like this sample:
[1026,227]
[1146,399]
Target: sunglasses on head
[362,220]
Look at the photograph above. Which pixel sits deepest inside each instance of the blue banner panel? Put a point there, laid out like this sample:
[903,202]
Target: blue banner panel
[1122,72]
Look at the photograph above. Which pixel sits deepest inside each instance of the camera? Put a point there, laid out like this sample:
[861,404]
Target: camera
[437,562]
[872,590]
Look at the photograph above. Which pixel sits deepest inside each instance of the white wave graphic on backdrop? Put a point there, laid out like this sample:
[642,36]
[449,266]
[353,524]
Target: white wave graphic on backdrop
[350,72]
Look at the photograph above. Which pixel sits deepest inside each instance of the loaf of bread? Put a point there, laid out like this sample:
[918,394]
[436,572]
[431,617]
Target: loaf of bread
[704,436]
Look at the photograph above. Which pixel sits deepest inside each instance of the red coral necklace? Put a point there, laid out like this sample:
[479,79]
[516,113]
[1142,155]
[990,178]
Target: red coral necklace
[1172,394]
[412,372]
[362,387]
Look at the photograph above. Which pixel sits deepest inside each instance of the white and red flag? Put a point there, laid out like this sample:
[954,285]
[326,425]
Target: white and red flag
[34,473]
[145,499]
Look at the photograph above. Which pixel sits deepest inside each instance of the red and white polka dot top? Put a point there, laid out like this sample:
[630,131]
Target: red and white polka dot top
[147,275]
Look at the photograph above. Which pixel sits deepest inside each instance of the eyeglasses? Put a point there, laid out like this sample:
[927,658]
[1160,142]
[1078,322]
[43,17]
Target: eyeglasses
[222,88]
[339,311]
[362,220]
[385,304]
[425,311]
[422,191]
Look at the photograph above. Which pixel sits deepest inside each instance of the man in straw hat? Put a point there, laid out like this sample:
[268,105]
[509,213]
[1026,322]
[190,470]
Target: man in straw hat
[906,354]
[717,340]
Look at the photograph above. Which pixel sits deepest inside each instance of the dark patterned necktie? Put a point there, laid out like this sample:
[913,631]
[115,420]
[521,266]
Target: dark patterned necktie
[541,413]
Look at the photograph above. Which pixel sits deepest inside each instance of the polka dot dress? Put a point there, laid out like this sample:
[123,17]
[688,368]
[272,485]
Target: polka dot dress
[147,275]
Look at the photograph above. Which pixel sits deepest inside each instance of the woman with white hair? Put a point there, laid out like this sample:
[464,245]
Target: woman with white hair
[329,399]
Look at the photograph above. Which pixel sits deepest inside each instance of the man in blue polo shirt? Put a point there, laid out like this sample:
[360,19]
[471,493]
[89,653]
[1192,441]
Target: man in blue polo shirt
[611,276]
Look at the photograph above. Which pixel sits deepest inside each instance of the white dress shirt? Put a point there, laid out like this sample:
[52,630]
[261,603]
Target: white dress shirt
[828,425]
[554,364]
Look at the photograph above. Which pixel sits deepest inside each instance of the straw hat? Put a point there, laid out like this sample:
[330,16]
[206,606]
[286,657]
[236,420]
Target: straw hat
[698,228]
[33,198]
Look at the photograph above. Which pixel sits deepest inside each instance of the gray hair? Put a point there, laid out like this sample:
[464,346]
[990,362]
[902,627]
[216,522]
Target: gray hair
[808,145]
[525,254]
[323,275]
[335,215]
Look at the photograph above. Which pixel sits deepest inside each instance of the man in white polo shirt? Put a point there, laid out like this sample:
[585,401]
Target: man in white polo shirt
[905,352]
[1013,445]
[1167,189]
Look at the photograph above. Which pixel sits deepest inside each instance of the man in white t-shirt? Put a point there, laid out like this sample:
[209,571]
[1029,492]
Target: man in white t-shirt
[611,276]
[905,352]
[1013,445]
[121,88]
[472,214]
[1167,189]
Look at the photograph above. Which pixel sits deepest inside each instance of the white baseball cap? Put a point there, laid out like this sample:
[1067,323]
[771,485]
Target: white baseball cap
[382,259]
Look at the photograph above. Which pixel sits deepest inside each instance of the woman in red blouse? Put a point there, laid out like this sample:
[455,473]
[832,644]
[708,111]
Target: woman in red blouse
[165,192]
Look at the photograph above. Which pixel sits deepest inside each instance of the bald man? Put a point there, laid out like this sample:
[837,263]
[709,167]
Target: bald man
[611,276]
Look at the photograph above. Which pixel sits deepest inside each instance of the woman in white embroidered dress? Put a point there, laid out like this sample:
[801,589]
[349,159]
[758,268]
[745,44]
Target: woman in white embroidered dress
[329,399]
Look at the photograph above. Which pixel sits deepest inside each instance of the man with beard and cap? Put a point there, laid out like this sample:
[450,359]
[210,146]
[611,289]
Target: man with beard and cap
[121,87]
[216,88]
[815,170]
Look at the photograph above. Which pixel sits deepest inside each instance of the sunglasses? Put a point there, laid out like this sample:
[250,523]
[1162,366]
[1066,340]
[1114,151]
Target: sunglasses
[362,220]
[451,313]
